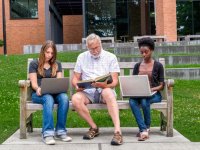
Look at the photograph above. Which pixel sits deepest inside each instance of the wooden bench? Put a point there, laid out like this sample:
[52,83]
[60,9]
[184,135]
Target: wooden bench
[192,37]
[156,38]
[103,40]
[27,108]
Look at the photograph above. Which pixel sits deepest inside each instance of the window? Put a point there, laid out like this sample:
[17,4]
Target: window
[23,9]
[188,17]
[119,18]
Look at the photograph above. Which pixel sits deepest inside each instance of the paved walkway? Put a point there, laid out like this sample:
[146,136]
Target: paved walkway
[157,141]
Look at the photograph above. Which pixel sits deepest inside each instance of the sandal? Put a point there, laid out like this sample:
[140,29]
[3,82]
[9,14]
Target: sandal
[91,134]
[117,139]
[143,136]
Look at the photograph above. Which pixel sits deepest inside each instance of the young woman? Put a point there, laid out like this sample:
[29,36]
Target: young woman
[154,70]
[47,67]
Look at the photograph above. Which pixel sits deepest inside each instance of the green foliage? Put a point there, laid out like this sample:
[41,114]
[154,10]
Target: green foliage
[1,43]
[184,17]
[14,68]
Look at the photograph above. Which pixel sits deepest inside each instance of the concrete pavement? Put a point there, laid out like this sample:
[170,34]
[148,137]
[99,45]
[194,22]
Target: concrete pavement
[158,140]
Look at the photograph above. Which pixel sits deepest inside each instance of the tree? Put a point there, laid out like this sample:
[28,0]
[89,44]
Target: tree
[184,17]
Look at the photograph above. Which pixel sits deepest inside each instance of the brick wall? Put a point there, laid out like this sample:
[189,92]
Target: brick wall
[1,27]
[166,19]
[24,31]
[72,29]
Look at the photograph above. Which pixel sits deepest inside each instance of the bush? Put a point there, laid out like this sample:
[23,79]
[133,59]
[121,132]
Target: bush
[1,43]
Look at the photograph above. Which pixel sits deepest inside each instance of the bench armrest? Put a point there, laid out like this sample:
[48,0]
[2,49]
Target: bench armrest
[170,83]
[25,95]
[25,90]
[24,83]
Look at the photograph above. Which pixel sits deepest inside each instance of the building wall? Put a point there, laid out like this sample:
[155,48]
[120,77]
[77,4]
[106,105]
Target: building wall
[21,32]
[72,29]
[166,19]
[32,31]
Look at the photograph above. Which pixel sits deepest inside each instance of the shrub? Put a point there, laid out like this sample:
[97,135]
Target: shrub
[1,43]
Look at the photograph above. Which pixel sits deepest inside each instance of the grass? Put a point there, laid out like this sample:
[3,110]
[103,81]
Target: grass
[13,68]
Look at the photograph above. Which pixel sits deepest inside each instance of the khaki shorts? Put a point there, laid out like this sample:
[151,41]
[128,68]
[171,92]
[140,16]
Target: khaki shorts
[90,95]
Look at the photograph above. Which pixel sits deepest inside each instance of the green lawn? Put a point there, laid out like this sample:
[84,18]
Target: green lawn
[13,68]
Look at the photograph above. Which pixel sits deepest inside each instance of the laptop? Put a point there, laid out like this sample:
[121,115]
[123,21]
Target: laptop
[135,86]
[54,85]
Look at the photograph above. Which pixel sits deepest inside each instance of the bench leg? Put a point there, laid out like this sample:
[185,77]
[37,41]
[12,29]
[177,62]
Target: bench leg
[163,123]
[170,113]
[30,123]
[170,124]
[22,124]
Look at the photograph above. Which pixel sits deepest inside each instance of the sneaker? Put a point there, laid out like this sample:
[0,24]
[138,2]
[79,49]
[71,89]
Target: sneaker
[144,135]
[91,134]
[117,139]
[138,134]
[63,138]
[49,140]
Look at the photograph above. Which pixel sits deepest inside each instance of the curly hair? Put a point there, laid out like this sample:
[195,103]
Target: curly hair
[146,41]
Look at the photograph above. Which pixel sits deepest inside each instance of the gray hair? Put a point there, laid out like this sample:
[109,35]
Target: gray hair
[92,37]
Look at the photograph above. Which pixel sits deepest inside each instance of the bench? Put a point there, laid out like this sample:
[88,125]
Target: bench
[27,108]
[103,40]
[156,38]
[192,37]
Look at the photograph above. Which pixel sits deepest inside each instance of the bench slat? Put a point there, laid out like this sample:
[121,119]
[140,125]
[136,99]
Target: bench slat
[122,105]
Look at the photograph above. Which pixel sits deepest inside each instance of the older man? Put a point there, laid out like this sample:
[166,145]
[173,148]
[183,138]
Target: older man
[91,64]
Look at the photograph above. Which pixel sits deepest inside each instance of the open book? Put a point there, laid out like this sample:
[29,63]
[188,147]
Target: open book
[86,84]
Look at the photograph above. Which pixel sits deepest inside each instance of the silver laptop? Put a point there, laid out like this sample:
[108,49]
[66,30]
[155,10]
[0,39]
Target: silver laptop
[135,86]
[54,85]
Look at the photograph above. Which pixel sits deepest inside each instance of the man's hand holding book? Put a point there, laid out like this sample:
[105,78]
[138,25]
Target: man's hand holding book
[100,82]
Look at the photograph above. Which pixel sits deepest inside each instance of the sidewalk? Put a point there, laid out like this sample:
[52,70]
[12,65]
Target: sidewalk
[157,141]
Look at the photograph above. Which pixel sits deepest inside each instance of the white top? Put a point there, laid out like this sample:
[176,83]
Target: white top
[91,68]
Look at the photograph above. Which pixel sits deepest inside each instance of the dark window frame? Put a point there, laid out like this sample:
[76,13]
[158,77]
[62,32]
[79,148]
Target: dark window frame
[22,18]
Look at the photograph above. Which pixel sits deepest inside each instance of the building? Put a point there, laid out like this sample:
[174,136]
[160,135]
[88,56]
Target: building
[30,22]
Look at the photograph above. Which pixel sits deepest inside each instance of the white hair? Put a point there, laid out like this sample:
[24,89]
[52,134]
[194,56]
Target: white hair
[92,37]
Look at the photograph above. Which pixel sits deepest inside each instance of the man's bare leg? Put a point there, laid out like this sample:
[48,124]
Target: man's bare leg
[79,101]
[110,100]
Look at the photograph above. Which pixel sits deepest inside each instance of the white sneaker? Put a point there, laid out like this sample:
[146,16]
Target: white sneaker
[63,137]
[49,140]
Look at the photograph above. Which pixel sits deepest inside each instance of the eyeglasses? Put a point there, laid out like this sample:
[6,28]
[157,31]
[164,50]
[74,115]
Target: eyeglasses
[95,48]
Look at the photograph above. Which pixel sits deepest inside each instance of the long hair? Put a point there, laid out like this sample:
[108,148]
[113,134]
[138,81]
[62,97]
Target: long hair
[52,61]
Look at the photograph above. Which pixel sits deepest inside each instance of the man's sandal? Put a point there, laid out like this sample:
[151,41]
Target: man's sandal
[117,139]
[91,134]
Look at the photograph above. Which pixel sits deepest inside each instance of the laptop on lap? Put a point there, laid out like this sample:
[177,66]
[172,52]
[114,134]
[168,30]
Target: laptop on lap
[54,85]
[135,86]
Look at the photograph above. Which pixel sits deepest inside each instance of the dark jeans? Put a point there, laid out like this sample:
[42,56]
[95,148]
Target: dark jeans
[144,103]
